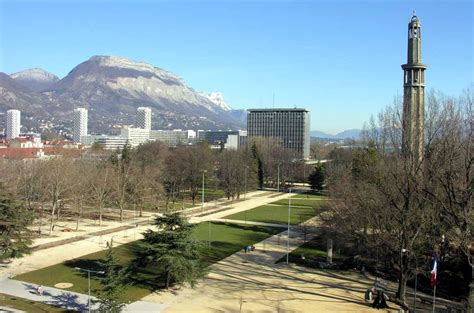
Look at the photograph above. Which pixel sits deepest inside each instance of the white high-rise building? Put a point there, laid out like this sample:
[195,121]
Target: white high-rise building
[13,124]
[80,124]
[143,118]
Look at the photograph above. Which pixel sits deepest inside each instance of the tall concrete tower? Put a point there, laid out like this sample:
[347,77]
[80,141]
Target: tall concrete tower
[80,124]
[13,124]
[143,118]
[414,93]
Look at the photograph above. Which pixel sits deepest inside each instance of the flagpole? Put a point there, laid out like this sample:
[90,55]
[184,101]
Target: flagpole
[434,298]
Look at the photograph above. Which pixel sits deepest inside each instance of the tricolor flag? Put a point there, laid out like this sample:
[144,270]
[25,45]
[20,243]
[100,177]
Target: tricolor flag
[434,271]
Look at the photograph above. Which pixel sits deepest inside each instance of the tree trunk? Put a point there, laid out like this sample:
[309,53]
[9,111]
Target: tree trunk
[168,278]
[79,215]
[470,300]
[402,284]
[100,214]
[52,219]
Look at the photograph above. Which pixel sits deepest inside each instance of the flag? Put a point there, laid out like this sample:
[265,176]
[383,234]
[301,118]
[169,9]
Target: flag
[434,272]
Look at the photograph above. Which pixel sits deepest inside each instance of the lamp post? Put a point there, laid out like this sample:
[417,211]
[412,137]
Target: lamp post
[89,282]
[202,202]
[288,238]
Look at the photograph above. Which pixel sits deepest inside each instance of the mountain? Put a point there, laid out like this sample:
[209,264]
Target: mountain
[14,95]
[112,88]
[346,134]
[35,79]
[218,99]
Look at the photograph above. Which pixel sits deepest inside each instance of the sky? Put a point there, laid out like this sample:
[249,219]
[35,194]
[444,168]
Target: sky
[339,59]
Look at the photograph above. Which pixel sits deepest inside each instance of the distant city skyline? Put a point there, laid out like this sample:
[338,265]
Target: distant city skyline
[340,59]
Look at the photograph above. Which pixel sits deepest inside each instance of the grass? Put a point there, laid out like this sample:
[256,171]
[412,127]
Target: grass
[27,305]
[276,214]
[303,200]
[226,240]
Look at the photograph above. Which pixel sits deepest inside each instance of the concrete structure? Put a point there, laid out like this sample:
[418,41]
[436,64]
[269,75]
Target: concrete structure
[135,136]
[234,142]
[173,138]
[143,118]
[289,126]
[107,142]
[13,124]
[413,93]
[80,124]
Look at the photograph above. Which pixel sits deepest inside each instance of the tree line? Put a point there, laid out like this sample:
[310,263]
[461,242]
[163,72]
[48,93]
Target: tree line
[406,210]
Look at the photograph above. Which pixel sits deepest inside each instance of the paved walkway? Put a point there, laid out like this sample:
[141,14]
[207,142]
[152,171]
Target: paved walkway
[64,299]
[252,282]
[54,255]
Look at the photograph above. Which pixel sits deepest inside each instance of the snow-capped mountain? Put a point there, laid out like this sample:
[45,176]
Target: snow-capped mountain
[218,99]
[35,79]
[113,87]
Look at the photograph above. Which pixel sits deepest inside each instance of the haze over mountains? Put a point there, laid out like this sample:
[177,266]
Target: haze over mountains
[112,88]
[346,134]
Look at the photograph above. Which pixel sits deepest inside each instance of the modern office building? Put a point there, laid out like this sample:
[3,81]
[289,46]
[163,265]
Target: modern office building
[13,124]
[288,126]
[173,138]
[234,142]
[143,118]
[135,136]
[80,125]
[107,142]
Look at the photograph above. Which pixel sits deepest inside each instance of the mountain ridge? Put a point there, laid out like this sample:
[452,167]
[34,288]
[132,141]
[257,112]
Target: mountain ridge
[112,88]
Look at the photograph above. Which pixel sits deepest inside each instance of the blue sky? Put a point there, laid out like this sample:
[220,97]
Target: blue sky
[340,59]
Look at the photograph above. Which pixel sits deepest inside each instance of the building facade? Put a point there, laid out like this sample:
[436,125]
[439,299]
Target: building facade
[80,124]
[413,93]
[173,138]
[143,118]
[288,126]
[13,124]
[135,136]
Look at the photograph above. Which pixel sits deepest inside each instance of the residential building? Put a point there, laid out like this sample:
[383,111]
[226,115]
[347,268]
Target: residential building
[13,124]
[143,118]
[80,124]
[290,127]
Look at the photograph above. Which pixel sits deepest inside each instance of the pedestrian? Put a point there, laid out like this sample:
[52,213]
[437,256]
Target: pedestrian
[40,290]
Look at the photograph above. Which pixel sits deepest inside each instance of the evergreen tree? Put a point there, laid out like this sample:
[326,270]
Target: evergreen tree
[172,250]
[14,221]
[317,177]
[114,284]
[257,157]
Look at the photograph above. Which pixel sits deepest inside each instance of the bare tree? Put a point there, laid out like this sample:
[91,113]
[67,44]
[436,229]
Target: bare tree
[55,183]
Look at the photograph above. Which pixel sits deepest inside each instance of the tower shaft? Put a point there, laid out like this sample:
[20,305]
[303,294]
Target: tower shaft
[413,93]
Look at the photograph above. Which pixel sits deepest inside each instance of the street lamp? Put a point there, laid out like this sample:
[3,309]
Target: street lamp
[202,204]
[288,238]
[89,281]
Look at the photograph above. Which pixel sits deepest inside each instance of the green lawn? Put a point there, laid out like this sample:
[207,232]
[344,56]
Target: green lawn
[226,240]
[27,305]
[277,214]
[303,200]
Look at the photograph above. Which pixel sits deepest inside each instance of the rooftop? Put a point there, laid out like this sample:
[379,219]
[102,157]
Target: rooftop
[279,110]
